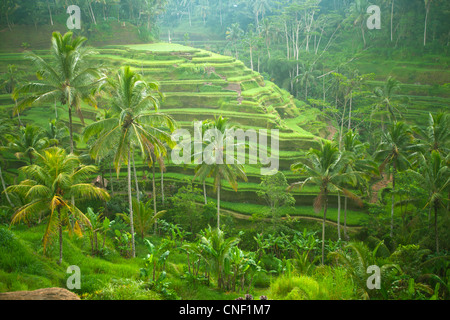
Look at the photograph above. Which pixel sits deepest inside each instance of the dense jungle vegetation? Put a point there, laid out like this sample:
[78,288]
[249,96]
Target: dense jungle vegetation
[88,177]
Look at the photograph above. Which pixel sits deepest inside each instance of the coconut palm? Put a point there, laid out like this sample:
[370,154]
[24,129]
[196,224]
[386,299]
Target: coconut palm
[52,181]
[356,257]
[5,128]
[234,34]
[143,216]
[259,8]
[434,176]
[436,135]
[57,134]
[65,78]
[394,150]
[135,122]
[28,140]
[323,167]
[307,77]
[358,13]
[427,11]
[385,97]
[359,163]
[215,164]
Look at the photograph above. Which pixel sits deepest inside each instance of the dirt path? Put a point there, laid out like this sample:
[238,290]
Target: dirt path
[332,131]
[241,216]
[379,186]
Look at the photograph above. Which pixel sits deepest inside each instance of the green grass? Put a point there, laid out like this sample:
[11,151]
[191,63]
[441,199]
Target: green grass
[24,266]
[354,218]
[21,254]
[161,47]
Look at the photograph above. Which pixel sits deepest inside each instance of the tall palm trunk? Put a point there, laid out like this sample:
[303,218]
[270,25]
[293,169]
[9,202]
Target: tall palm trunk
[20,124]
[111,179]
[218,206]
[50,12]
[393,199]
[435,226]
[162,186]
[60,236]
[339,216]
[345,218]
[363,34]
[204,191]
[341,133]
[251,57]
[130,202]
[4,188]
[323,226]
[70,129]
[154,191]
[392,19]
[162,168]
[350,111]
[426,21]
[135,178]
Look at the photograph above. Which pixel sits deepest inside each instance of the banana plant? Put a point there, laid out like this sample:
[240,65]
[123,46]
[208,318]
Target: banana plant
[94,228]
[217,249]
[155,259]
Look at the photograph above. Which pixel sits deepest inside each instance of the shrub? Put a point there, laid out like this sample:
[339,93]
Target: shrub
[261,280]
[335,283]
[295,288]
[123,290]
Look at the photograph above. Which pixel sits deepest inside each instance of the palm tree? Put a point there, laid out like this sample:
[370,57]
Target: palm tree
[5,128]
[384,99]
[162,169]
[65,78]
[357,162]
[307,77]
[259,7]
[436,135]
[234,35]
[143,217]
[323,167]
[51,183]
[357,258]
[29,140]
[266,31]
[434,176]
[10,80]
[57,135]
[427,10]
[251,40]
[204,8]
[358,11]
[394,150]
[214,164]
[132,123]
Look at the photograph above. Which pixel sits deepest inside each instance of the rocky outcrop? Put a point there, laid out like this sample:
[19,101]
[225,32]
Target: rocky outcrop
[41,294]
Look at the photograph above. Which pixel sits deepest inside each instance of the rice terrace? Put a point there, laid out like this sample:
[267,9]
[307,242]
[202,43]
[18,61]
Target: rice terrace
[190,150]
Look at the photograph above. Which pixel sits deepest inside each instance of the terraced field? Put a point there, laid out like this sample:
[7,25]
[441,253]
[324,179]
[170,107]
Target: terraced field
[425,83]
[200,85]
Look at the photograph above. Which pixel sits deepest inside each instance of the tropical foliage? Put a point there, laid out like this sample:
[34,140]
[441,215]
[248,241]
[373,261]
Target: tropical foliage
[362,148]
